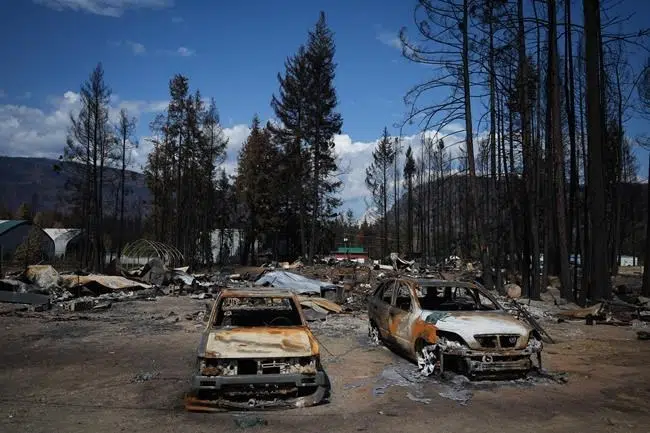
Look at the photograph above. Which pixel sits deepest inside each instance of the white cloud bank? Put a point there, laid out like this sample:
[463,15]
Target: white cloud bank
[41,132]
[31,131]
[109,8]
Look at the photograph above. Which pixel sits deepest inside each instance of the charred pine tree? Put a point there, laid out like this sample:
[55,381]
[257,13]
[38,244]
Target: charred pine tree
[409,173]
[569,98]
[90,143]
[557,150]
[530,274]
[378,178]
[598,280]
[444,28]
[124,130]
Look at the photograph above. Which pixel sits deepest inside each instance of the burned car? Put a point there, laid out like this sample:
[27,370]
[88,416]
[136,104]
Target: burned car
[257,352]
[452,325]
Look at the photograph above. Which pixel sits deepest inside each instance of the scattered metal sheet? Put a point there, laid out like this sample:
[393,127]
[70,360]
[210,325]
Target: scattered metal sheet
[581,313]
[321,304]
[24,298]
[183,277]
[106,282]
[294,282]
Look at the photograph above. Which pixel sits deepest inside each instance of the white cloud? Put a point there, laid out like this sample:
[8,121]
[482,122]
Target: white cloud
[31,131]
[139,49]
[180,52]
[177,20]
[389,38]
[110,8]
[185,52]
[2,93]
[136,47]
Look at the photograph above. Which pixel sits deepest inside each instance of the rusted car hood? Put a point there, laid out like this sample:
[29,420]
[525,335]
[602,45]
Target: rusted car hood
[271,342]
[468,324]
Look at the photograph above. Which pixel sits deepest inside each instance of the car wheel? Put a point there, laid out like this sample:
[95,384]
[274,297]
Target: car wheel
[428,360]
[373,334]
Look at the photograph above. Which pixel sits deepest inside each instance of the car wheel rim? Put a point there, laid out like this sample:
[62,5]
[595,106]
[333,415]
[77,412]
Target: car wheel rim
[428,361]
[373,335]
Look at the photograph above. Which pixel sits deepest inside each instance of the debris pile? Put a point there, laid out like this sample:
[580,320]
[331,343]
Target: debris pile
[326,287]
[41,287]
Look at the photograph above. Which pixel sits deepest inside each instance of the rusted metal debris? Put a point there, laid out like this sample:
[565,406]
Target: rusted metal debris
[106,282]
[257,352]
[440,322]
[613,312]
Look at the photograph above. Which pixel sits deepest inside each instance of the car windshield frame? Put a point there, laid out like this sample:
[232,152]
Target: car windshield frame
[243,311]
[475,291]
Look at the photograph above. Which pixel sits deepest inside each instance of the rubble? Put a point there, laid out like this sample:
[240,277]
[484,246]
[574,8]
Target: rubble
[351,282]
[25,298]
[154,272]
[513,291]
[41,275]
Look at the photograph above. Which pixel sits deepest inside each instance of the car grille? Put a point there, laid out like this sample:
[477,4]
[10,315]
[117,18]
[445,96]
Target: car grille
[497,341]
[218,367]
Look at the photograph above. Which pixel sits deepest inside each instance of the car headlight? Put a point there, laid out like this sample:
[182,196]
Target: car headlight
[304,365]
[534,344]
[218,367]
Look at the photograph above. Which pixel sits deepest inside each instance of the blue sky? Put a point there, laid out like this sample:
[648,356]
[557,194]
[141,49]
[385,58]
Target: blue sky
[230,50]
[233,52]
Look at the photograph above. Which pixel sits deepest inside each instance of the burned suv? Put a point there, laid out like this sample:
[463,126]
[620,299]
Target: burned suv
[453,325]
[256,352]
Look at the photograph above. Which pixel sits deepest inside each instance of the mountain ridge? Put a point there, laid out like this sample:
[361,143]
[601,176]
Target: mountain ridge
[33,180]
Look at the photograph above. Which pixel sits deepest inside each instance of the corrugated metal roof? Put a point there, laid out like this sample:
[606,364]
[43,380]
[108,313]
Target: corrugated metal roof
[6,225]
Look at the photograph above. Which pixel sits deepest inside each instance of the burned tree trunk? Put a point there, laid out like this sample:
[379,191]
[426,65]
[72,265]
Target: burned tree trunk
[646,257]
[599,281]
[531,245]
[555,128]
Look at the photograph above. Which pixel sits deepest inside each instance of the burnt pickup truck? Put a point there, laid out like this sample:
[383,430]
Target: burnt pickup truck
[453,325]
[257,352]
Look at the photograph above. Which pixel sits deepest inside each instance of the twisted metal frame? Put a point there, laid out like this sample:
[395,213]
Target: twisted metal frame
[147,249]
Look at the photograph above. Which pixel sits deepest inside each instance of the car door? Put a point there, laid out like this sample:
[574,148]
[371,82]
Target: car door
[401,316]
[373,302]
[381,309]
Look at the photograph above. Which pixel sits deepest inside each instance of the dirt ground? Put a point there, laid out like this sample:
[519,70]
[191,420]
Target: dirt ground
[127,368]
